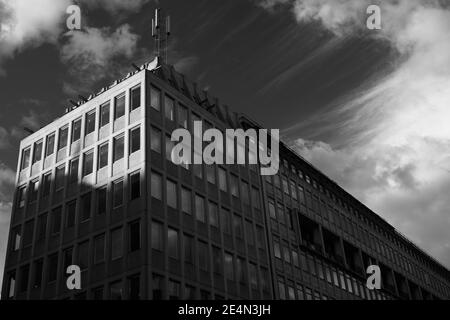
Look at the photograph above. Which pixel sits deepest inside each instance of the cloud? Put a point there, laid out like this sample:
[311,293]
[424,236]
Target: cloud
[25,24]
[391,138]
[90,54]
[116,6]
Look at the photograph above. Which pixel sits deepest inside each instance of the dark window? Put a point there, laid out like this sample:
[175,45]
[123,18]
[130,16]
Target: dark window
[183,116]
[99,249]
[56,220]
[211,174]
[155,140]
[101,201]
[171,194]
[255,198]
[62,137]
[250,233]
[103,155]
[134,286]
[157,287]
[188,249]
[50,145]
[223,180]
[11,285]
[217,261]
[169,108]
[186,200]
[200,208]
[90,122]
[24,277]
[88,163]
[83,255]
[225,221]
[135,186]
[169,147]
[229,267]
[37,153]
[73,171]
[41,227]
[37,273]
[21,197]
[46,184]
[203,257]
[135,140]
[33,191]
[213,215]
[70,214]
[97,294]
[16,238]
[104,114]
[234,186]
[172,236]
[59,178]
[155,98]
[68,258]
[156,185]
[119,106]
[25,159]
[134,236]
[118,148]
[116,291]
[135,98]
[76,130]
[116,244]
[174,290]
[52,269]
[117,193]
[237,226]
[157,236]
[28,233]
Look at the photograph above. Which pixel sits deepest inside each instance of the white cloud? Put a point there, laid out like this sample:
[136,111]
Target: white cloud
[394,152]
[25,23]
[116,6]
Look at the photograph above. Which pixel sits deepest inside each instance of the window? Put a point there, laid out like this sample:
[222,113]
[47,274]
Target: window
[56,220]
[70,214]
[155,140]
[240,265]
[169,147]
[245,193]
[33,191]
[41,227]
[76,130]
[52,267]
[90,122]
[169,108]
[237,226]
[104,114]
[157,287]
[116,244]
[171,194]
[134,236]
[250,233]
[135,98]
[229,268]
[103,155]
[255,198]
[46,185]
[101,201]
[11,285]
[155,98]
[157,236]
[234,186]
[213,215]
[286,254]
[203,258]
[156,185]
[135,185]
[88,163]
[83,255]
[211,174]
[282,289]
[117,193]
[50,145]
[174,290]
[59,178]
[222,179]
[37,153]
[119,106]
[276,249]
[116,291]
[189,293]
[37,273]
[99,249]
[217,261]
[86,207]
[272,209]
[183,116]
[225,221]
[73,171]
[25,159]
[135,140]
[62,138]
[188,249]
[172,236]
[200,208]
[186,200]
[21,197]
[134,286]
[16,238]
[118,148]
[260,237]
[97,294]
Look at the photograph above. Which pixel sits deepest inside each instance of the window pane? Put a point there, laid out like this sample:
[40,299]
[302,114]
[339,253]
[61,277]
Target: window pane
[37,153]
[135,186]
[86,207]
[63,135]
[222,180]
[70,214]
[104,114]
[59,178]
[56,220]
[52,267]
[90,122]
[186,200]
[118,148]
[135,98]
[156,185]
[172,236]
[134,236]
[73,171]
[157,236]
[183,116]
[169,106]
[50,145]
[188,249]
[229,267]
[99,249]
[42,227]
[119,106]
[76,130]
[116,244]
[155,98]
[101,201]
[103,155]
[88,163]
[135,140]
[83,255]
[213,215]
[155,140]
[171,194]
[117,194]
[26,159]
[200,208]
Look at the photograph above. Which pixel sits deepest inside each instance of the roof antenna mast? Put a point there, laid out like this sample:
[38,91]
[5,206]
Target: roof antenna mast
[161,34]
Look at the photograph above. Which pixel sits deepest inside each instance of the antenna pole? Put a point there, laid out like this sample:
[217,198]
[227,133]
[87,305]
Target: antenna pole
[161,29]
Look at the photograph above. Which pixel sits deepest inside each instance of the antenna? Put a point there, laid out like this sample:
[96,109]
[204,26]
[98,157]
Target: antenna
[161,33]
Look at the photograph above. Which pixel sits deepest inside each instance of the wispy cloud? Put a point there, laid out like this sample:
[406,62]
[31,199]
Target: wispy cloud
[393,140]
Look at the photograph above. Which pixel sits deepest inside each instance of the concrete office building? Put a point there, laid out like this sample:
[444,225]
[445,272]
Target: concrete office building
[96,188]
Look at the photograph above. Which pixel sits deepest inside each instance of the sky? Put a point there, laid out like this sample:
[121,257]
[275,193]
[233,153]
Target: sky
[369,108]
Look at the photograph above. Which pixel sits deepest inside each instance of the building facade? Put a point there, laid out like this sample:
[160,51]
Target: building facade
[96,188]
